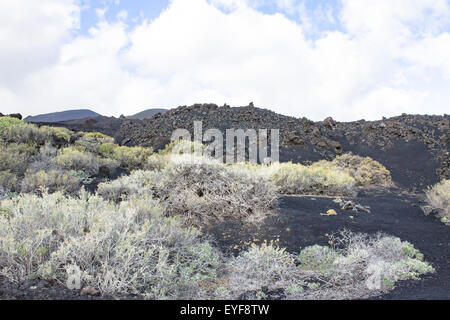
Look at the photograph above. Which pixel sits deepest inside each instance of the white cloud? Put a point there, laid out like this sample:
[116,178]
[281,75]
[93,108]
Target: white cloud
[392,59]
[31,33]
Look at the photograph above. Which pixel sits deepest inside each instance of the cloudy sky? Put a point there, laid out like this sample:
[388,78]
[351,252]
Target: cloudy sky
[349,59]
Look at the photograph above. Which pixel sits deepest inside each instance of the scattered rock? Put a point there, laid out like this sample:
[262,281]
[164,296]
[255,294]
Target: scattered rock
[13,115]
[89,291]
[350,205]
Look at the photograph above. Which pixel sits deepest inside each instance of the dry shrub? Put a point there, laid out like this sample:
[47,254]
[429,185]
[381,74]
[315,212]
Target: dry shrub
[438,198]
[202,190]
[199,189]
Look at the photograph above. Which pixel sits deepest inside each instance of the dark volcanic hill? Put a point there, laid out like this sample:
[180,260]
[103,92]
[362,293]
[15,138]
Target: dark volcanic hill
[63,116]
[107,125]
[147,114]
[413,147]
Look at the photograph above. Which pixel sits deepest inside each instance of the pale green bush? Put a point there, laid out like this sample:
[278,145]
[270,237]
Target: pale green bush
[8,123]
[156,162]
[14,160]
[57,135]
[107,149]
[260,268]
[18,131]
[299,179]
[129,248]
[180,147]
[365,170]
[33,227]
[438,198]
[9,182]
[91,141]
[359,266]
[132,158]
[138,183]
[73,158]
[52,181]
[318,259]
[206,189]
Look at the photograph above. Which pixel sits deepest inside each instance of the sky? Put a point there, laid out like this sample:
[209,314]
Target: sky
[348,59]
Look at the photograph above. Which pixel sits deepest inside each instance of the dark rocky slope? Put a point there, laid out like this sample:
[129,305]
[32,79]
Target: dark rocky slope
[414,148]
[107,125]
[147,114]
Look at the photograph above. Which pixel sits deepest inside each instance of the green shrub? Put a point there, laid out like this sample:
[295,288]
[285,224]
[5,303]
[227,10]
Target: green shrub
[98,136]
[73,158]
[107,149]
[14,161]
[91,141]
[206,189]
[317,258]
[299,179]
[57,134]
[8,123]
[365,170]
[132,158]
[52,181]
[438,198]
[18,131]
[9,182]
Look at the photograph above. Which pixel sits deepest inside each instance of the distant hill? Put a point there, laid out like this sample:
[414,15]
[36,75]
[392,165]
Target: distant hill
[63,116]
[147,114]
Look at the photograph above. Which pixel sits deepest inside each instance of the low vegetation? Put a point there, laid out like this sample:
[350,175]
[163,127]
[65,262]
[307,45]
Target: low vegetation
[52,181]
[141,233]
[132,248]
[125,248]
[366,171]
[58,135]
[76,159]
[438,198]
[299,179]
[361,266]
